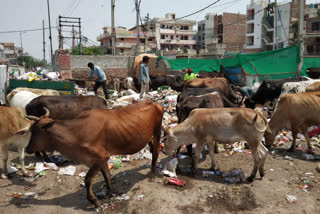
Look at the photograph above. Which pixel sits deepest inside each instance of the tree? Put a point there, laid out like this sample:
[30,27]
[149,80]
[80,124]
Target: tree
[29,61]
[92,50]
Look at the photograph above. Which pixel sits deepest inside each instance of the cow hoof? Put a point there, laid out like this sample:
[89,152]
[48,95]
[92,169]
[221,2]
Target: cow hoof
[3,176]
[250,179]
[262,174]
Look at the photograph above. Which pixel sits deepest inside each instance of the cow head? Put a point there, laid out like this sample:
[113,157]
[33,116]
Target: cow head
[40,140]
[171,143]
[269,136]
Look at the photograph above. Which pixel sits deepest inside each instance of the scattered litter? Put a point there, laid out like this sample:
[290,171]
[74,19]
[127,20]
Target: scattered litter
[40,167]
[27,195]
[175,181]
[168,173]
[303,186]
[207,173]
[11,169]
[291,199]
[308,173]
[82,174]
[103,192]
[140,197]
[82,184]
[248,152]
[307,156]
[235,176]
[57,159]
[288,158]
[143,154]
[52,166]
[123,197]
[69,170]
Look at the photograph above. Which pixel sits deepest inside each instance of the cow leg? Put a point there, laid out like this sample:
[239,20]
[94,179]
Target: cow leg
[306,134]
[155,153]
[294,135]
[21,157]
[93,171]
[4,149]
[212,147]
[256,160]
[199,148]
[263,155]
[107,176]
[216,150]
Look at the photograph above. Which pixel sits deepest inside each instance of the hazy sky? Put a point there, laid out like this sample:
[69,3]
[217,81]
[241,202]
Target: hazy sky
[94,14]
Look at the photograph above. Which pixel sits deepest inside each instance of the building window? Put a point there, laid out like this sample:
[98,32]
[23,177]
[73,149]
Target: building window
[162,26]
[171,37]
[122,39]
[150,39]
[173,16]
[316,26]
[220,29]
[162,37]
[280,45]
[142,40]
[184,38]
[121,50]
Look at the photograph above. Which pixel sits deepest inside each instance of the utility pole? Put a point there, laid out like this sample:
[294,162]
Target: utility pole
[275,42]
[71,22]
[50,36]
[113,34]
[300,34]
[21,48]
[80,43]
[146,27]
[239,30]
[138,28]
[73,38]
[44,42]
[60,34]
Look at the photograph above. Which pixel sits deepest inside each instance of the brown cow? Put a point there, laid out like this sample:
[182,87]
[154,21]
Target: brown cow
[314,87]
[95,135]
[295,112]
[223,125]
[217,83]
[14,129]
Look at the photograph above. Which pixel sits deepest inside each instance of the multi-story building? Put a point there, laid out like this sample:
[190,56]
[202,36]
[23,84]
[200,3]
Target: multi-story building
[1,51]
[255,14]
[313,30]
[205,36]
[11,51]
[174,34]
[126,40]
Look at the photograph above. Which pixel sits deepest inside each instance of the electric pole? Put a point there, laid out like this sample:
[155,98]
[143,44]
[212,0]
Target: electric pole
[275,42]
[146,27]
[44,42]
[138,28]
[113,34]
[239,30]
[50,36]
[300,34]
[80,44]
[60,34]
[73,38]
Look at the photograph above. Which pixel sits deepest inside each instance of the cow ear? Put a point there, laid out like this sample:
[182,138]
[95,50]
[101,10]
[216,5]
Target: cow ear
[46,123]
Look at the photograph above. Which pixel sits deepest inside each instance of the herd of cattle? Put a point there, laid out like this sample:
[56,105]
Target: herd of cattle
[83,129]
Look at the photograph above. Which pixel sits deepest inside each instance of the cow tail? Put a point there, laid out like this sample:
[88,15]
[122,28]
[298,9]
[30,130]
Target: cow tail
[265,123]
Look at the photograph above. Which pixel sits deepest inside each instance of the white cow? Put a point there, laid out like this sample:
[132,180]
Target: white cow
[45,92]
[22,99]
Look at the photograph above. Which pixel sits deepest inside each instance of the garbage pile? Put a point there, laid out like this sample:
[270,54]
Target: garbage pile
[38,74]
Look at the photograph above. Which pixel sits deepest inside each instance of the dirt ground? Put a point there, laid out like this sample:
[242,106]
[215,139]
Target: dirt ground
[63,194]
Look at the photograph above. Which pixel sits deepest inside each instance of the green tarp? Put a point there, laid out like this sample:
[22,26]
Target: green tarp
[277,64]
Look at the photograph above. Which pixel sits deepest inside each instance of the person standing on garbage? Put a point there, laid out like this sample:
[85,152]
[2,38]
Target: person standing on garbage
[144,78]
[101,79]
[189,75]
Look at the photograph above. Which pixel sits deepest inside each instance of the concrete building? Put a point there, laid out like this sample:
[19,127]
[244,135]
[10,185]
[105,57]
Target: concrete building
[205,35]
[313,30]
[126,40]
[11,51]
[1,51]
[254,24]
[174,35]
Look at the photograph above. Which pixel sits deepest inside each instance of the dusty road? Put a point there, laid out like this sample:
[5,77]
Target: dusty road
[63,194]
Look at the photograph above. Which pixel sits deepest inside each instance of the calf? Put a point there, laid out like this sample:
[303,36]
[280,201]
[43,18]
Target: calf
[95,135]
[14,129]
[295,112]
[269,90]
[223,125]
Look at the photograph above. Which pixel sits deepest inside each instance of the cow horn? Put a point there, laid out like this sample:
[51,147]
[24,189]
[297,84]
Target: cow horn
[47,112]
[265,125]
[32,117]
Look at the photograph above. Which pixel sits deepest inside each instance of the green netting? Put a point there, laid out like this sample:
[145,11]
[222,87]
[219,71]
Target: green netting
[311,63]
[277,64]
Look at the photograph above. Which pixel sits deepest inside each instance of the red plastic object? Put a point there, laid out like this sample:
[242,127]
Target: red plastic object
[176,181]
[314,132]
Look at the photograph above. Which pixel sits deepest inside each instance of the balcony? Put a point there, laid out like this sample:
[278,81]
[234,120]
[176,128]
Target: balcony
[177,41]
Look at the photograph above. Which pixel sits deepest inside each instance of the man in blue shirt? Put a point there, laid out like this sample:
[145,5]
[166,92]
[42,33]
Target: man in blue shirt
[144,78]
[101,79]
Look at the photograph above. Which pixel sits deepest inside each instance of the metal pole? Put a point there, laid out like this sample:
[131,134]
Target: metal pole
[80,44]
[50,36]
[275,42]
[300,38]
[113,34]
[60,34]
[138,28]
[73,38]
[44,42]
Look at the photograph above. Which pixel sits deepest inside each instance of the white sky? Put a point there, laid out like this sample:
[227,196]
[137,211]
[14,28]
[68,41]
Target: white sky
[94,14]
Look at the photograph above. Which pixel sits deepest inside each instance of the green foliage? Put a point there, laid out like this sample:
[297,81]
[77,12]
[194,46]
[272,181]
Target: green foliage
[29,61]
[92,50]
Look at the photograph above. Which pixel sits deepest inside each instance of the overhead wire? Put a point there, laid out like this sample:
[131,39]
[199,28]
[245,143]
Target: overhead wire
[198,11]
[29,30]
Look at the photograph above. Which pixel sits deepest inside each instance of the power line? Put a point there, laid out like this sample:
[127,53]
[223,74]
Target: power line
[198,11]
[29,30]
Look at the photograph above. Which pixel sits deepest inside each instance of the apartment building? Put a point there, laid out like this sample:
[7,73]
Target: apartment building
[313,30]
[174,34]
[11,51]
[126,40]
[205,35]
